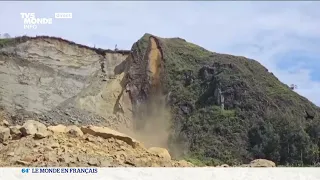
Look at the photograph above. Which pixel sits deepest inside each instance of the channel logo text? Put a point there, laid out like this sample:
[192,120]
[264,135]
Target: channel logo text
[30,21]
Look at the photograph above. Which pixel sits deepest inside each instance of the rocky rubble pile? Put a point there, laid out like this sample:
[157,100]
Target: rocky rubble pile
[34,144]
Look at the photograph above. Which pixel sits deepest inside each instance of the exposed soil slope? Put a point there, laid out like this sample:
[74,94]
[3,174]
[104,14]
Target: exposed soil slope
[58,81]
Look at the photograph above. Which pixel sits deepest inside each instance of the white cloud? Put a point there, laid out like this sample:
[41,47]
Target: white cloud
[258,30]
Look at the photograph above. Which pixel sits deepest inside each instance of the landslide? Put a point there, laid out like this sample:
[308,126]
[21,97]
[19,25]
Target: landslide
[206,107]
[222,108]
[35,145]
[47,81]
[57,81]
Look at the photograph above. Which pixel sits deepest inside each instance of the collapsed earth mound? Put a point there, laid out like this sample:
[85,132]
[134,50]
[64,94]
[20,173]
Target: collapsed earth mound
[34,144]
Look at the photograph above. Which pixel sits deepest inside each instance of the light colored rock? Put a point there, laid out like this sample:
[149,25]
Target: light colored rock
[22,162]
[15,132]
[90,138]
[57,129]
[74,131]
[55,145]
[37,144]
[29,128]
[4,123]
[40,135]
[11,154]
[262,163]
[4,134]
[111,95]
[161,152]
[105,163]
[79,70]
[51,156]
[47,148]
[28,158]
[106,133]
[184,163]
[93,162]
[65,158]
[32,127]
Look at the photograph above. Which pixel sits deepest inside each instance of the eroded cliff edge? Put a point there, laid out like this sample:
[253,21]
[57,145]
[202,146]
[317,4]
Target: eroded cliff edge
[59,81]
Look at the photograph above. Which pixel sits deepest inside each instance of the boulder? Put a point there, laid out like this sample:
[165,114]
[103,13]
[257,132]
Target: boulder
[15,132]
[57,129]
[262,163]
[29,128]
[4,123]
[35,128]
[74,131]
[106,133]
[41,134]
[161,152]
[4,134]
[93,161]
[24,163]
[184,163]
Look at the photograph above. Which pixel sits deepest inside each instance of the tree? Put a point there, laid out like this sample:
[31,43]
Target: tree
[264,142]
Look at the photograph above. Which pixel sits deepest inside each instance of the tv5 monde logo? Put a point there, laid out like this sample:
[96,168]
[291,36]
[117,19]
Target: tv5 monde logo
[30,21]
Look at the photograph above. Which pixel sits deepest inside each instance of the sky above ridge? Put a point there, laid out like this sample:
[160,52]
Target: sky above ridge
[283,36]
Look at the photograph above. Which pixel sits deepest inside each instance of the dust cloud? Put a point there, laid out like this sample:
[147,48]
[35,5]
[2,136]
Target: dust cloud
[151,122]
[153,125]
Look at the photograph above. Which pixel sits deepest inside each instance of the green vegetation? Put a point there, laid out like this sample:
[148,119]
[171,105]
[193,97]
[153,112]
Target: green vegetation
[5,42]
[12,41]
[262,117]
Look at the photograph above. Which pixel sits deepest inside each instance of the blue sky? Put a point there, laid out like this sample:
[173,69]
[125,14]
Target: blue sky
[283,36]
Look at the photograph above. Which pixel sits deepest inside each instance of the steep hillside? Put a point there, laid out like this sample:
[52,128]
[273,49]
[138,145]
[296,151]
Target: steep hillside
[58,81]
[223,108]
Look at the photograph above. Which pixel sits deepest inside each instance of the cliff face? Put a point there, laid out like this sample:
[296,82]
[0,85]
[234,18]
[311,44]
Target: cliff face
[222,107]
[59,81]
